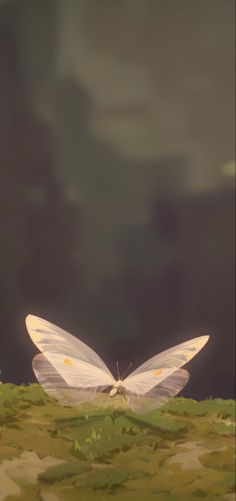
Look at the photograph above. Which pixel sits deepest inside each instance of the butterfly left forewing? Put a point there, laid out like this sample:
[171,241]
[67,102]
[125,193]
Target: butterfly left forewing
[76,372]
[51,338]
[67,364]
[55,386]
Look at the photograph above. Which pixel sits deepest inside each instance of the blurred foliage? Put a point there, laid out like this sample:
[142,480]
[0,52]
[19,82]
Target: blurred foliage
[96,234]
[229,169]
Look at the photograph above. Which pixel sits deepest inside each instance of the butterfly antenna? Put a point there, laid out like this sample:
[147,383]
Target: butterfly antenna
[118,370]
[130,365]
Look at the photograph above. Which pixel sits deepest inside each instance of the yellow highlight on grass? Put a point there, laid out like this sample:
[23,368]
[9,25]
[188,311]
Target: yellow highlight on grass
[158,372]
[68,361]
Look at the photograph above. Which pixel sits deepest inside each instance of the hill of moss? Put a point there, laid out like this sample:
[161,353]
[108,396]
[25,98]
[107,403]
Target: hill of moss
[181,452]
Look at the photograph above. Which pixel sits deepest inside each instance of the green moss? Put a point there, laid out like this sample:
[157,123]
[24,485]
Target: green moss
[188,407]
[13,398]
[220,460]
[62,471]
[109,479]
[223,429]
[116,455]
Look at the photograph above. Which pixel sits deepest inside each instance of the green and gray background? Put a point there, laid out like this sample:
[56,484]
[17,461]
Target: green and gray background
[117,179]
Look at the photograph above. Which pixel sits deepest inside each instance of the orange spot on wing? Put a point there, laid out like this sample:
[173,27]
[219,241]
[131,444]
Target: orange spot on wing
[68,361]
[158,372]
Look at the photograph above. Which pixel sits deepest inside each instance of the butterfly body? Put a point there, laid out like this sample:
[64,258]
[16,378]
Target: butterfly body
[70,371]
[117,388]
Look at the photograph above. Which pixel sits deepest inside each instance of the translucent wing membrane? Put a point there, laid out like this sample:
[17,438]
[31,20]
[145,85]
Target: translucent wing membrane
[73,373]
[78,373]
[67,369]
[50,338]
[143,382]
[55,386]
[176,356]
[160,394]
[158,368]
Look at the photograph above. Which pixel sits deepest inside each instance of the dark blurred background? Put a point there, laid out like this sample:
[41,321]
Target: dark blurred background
[117,180]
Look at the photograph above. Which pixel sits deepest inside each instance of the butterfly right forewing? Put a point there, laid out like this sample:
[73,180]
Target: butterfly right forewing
[155,370]
[158,395]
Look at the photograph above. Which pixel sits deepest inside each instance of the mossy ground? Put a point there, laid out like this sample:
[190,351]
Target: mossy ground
[181,452]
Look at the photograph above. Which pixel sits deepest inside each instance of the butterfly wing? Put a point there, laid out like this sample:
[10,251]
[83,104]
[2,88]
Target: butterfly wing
[160,394]
[66,360]
[55,386]
[50,338]
[158,368]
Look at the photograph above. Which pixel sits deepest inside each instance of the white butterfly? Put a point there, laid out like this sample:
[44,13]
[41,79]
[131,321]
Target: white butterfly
[73,373]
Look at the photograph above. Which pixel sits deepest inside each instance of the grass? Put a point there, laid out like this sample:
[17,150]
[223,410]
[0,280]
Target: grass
[183,451]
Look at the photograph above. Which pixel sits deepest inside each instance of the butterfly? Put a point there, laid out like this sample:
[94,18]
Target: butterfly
[73,373]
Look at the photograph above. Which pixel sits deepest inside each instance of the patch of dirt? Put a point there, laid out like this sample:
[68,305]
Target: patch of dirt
[189,460]
[25,468]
